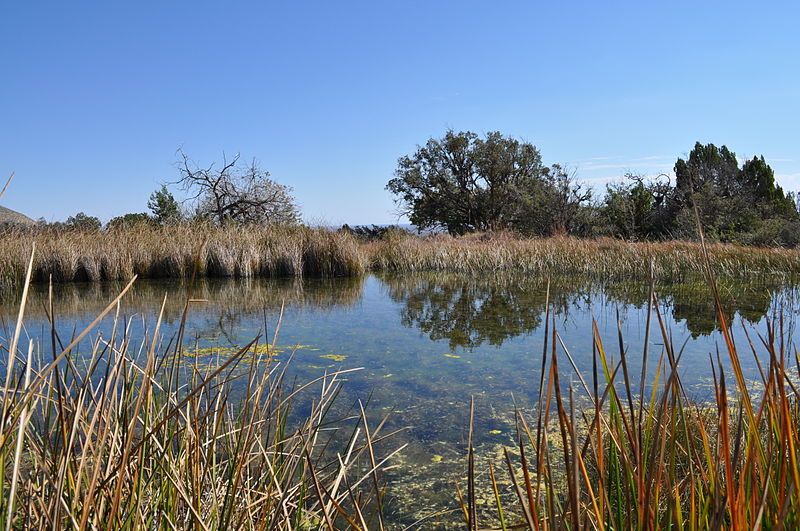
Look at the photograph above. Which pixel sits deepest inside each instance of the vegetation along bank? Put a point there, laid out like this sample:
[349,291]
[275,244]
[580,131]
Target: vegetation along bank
[184,250]
[484,203]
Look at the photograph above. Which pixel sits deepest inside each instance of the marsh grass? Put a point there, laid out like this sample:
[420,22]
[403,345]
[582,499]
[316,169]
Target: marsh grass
[140,436]
[605,258]
[143,436]
[296,251]
[178,251]
[603,452]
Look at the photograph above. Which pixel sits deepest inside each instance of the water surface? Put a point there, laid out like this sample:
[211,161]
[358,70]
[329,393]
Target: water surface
[429,342]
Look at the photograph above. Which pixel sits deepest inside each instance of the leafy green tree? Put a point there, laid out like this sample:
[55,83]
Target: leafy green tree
[627,209]
[733,202]
[759,180]
[710,179]
[463,183]
[553,205]
[164,207]
[83,222]
[635,209]
[129,220]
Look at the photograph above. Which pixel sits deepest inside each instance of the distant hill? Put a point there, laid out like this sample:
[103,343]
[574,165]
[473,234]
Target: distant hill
[11,216]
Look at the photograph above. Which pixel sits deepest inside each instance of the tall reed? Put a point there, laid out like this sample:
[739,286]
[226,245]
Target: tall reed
[179,252]
[295,251]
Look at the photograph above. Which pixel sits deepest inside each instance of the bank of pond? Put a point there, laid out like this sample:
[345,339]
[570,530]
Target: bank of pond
[197,251]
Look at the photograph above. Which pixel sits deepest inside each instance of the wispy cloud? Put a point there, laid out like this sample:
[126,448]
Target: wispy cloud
[646,164]
[616,162]
[630,165]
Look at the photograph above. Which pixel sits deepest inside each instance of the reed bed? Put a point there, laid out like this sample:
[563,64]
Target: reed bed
[607,452]
[596,258]
[124,436]
[179,251]
[206,250]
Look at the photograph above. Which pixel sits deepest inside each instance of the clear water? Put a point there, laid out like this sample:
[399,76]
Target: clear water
[427,343]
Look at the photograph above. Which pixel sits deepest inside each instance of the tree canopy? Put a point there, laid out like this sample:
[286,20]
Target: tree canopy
[126,221]
[164,207]
[83,222]
[734,202]
[464,183]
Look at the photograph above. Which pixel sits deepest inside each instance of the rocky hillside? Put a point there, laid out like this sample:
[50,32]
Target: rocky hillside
[10,216]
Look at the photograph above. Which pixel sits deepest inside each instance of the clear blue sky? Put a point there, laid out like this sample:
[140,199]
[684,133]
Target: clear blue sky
[95,98]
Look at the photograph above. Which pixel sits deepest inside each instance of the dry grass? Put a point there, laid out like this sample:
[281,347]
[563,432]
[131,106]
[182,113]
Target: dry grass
[246,252]
[139,436]
[178,252]
[599,258]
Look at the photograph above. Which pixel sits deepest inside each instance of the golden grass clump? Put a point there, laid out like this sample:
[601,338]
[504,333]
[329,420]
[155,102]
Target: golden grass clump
[178,252]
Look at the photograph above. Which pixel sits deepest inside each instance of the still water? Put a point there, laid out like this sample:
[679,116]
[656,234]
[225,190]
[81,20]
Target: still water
[427,343]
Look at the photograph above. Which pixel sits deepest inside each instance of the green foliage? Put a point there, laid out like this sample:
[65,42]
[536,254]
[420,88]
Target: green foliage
[735,203]
[555,204]
[732,201]
[129,220]
[463,183]
[164,207]
[770,197]
[635,209]
[775,232]
[369,233]
[83,222]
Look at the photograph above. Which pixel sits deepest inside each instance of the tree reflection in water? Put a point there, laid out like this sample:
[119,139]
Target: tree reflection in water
[472,311]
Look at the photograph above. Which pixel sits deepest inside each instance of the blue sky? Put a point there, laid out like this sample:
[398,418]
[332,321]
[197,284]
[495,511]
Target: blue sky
[95,98]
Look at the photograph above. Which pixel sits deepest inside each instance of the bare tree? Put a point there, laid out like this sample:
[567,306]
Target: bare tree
[236,193]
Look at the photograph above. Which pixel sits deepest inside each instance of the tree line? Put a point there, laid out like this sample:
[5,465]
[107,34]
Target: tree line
[464,182]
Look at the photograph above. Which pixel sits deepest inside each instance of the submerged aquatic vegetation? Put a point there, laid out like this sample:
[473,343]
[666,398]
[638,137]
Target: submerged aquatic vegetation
[334,357]
[138,437]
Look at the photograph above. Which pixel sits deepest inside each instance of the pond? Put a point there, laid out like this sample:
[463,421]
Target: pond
[426,343]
